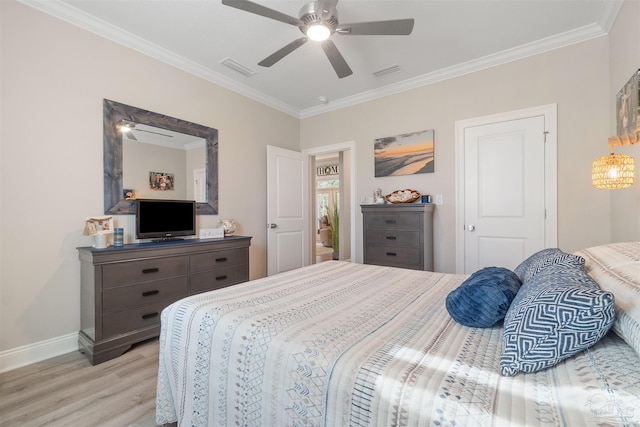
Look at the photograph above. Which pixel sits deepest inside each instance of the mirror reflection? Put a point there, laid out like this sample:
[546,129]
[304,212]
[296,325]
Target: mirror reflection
[149,155]
[162,164]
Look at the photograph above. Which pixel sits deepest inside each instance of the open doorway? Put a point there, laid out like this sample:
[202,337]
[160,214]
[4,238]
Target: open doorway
[346,154]
[327,207]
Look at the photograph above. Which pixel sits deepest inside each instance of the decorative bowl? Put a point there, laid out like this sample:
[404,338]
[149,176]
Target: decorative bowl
[402,196]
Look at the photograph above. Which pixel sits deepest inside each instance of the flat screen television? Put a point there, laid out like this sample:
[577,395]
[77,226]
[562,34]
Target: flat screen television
[165,219]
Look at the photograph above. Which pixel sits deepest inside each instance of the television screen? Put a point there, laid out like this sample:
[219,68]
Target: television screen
[165,219]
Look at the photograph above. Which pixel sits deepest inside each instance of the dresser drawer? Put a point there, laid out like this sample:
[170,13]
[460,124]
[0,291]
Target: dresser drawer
[218,259]
[393,221]
[143,271]
[393,237]
[125,297]
[122,322]
[384,255]
[219,278]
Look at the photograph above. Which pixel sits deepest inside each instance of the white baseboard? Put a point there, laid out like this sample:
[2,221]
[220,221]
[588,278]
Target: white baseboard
[32,353]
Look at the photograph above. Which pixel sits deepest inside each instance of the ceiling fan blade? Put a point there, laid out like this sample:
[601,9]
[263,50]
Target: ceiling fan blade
[336,59]
[398,27]
[278,55]
[258,9]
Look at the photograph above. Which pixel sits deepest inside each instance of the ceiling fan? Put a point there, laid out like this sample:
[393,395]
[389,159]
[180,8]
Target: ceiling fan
[319,21]
[128,128]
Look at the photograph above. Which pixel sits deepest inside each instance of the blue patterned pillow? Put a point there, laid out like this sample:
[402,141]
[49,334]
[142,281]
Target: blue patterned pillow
[483,299]
[561,311]
[541,259]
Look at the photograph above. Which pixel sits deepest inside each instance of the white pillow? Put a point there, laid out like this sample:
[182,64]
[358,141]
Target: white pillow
[616,268]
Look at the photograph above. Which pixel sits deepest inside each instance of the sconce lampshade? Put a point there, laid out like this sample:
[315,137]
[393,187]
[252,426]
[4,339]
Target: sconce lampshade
[612,172]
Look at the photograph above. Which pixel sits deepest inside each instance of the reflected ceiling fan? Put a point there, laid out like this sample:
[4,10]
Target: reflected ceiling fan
[319,21]
[127,128]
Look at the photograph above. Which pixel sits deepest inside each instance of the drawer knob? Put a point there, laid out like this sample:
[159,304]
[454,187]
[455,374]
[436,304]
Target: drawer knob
[391,254]
[149,293]
[391,237]
[221,277]
[390,221]
[223,259]
[150,270]
[150,315]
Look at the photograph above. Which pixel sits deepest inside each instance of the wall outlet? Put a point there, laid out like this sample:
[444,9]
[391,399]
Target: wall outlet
[211,233]
[439,200]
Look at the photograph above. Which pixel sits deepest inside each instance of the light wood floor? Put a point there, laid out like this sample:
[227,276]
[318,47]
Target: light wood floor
[68,391]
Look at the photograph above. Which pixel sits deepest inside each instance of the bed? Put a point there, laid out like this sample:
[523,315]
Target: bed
[345,344]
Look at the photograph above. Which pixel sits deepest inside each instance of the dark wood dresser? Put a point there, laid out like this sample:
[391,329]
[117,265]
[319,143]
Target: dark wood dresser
[123,290]
[398,235]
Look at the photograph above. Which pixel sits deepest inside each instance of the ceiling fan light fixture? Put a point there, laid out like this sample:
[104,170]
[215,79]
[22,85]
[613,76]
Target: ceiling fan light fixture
[126,126]
[318,32]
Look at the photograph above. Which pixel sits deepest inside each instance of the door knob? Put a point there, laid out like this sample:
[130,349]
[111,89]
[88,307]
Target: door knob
[272,225]
[471,227]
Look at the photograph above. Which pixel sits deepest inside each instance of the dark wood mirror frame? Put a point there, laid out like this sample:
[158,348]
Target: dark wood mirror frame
[114,113]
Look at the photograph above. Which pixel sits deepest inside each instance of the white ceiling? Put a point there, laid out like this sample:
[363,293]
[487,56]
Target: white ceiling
[450,38]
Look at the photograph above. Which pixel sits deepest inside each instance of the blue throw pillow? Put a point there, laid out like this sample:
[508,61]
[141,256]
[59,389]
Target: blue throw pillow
[483,299]
[561,311]
[543,258]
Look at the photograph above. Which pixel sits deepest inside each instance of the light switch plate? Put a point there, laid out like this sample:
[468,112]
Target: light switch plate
[211,233]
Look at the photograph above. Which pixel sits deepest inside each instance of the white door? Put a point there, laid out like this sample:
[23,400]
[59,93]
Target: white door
[505,192]
[200,185]
[287,210]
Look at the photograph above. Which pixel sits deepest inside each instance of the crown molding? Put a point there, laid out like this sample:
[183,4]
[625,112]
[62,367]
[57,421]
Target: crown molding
[101,28]
[530,49]
[610,14]
[83,20]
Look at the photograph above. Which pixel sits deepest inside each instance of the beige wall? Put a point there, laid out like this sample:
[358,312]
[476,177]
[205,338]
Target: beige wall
[54,78]
[575,77]
[624,62]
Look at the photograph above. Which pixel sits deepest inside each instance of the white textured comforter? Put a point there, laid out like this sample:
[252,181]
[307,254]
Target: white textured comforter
[341,344]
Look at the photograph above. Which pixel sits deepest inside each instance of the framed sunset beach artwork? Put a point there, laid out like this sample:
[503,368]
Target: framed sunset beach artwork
[404,154]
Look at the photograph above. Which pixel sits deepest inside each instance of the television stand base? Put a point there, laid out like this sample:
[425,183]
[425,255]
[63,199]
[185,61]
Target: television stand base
[167,239]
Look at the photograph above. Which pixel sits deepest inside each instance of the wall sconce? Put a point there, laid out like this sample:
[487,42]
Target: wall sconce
[615,171]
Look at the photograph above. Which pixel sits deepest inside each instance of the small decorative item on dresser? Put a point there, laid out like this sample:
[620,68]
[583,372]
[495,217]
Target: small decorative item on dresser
[377,196]
[229,226]
[98,227]
[118,237]
[403,196]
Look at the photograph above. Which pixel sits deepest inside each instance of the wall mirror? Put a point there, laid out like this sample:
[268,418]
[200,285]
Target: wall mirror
[150,155]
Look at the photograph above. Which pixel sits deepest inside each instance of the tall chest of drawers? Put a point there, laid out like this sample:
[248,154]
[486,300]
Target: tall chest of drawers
[398,235]
[123,290]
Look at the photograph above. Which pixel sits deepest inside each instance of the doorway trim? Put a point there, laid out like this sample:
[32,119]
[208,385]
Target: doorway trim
[334,148]
[550,113]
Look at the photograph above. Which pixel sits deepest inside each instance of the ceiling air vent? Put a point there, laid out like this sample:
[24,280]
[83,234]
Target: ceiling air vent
[237,67]
[387,71]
